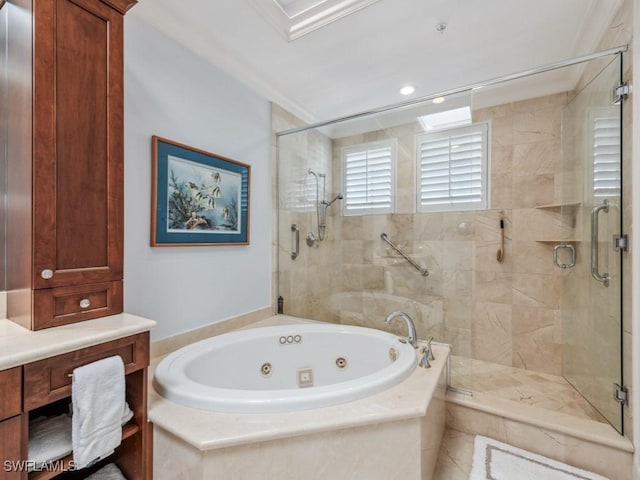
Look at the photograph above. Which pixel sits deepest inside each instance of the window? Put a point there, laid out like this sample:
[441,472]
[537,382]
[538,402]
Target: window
[452,169]
[368,178]
[606,157]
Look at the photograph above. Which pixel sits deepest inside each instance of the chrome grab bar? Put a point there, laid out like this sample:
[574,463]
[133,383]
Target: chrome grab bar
[573,255]
[295,232]
[605,277]
[423,271]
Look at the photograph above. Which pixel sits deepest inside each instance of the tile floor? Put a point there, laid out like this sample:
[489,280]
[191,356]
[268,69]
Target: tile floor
[456,455]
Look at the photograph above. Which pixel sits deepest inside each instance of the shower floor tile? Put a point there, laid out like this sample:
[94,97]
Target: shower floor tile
[550,392]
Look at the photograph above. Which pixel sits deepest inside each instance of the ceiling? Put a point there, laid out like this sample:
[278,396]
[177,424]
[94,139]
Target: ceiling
[359,61]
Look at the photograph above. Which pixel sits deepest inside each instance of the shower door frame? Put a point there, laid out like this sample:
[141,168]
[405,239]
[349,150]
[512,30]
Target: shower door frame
[589,283]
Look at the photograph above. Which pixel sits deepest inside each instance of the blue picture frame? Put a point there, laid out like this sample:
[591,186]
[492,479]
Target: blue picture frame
[198,198]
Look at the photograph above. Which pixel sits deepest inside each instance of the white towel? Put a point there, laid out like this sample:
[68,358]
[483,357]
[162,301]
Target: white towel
[49,440]
[98,395]
[108,472]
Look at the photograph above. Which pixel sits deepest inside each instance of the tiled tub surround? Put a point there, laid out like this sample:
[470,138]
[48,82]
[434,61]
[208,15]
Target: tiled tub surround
[360,439]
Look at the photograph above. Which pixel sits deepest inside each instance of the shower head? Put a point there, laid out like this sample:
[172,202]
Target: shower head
[311,172]
[337,197]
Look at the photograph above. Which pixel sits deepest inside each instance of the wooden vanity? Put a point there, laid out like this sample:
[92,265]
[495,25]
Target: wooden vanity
[42,387]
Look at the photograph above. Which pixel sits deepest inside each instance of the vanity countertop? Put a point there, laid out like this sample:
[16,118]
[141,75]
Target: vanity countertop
[19,345]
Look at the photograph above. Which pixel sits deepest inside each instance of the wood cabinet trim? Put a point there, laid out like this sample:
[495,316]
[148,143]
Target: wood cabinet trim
[11,398]
[122,6]
[47,380]
[47,314]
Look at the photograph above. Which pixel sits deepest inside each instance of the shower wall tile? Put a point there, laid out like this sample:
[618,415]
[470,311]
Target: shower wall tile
[372,277]
[429,226]
[536,126]
[539,158]
[533,340]
[457,256]
[352,251]
[532,257]
[493,287]
[352,228]
[501,161]
[501,131]
[458,312]
[491,333]
[535,290]
[469,298]
[501,192]
[457,284]
[532,190]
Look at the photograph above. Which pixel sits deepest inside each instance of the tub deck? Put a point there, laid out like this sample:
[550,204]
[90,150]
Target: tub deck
[207,430]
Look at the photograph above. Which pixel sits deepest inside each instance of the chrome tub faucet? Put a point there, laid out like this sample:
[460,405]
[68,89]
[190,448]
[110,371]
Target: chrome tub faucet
[412,337]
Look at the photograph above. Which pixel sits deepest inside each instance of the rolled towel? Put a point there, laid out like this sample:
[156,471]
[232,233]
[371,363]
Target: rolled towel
[49,440]
[98,396]
[108,472]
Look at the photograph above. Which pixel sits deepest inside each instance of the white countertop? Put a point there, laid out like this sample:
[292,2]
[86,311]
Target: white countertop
[19,345]
[207,430]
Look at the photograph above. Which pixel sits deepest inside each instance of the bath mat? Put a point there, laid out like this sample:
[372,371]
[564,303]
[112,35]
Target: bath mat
[493,460]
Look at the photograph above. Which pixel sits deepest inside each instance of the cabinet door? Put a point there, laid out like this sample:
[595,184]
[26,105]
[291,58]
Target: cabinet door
[78,143]
[13,448]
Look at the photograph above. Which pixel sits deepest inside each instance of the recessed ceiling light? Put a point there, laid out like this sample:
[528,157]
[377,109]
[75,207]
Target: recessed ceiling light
[407,90]
[438,100]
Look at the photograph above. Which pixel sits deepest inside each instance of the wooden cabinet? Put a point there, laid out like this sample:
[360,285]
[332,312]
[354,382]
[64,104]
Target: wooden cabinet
[12,423]
[65,172]
[47,391]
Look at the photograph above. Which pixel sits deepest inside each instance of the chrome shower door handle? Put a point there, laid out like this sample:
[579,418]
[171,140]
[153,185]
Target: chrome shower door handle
[595,273]
[573,255]
[295,232]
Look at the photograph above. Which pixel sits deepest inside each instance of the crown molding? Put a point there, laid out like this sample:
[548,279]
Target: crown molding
[309,19]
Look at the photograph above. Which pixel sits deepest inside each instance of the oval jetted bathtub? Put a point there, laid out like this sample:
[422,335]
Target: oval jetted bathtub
[284,368]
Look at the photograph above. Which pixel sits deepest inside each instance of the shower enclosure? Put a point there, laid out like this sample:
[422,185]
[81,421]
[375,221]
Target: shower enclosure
[593,243]
[454,211]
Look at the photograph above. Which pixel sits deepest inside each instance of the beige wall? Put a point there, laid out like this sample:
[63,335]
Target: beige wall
[501,312]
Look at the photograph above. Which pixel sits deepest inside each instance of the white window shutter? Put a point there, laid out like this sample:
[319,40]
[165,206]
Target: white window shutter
[452,169]
[368,172]
[606,157]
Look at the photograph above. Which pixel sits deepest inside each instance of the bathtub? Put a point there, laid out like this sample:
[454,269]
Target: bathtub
[284,368]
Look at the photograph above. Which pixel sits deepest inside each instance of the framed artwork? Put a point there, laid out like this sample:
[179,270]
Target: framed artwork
[197,197]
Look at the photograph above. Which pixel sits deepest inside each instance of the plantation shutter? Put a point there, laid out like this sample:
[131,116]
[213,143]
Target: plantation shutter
[368,178]
[453,169]
[606,157]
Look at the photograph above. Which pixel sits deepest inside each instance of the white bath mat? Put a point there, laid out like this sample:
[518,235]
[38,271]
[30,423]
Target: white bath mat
[493,460]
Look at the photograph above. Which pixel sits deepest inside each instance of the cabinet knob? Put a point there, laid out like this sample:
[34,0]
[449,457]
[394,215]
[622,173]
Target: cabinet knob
[46,274]
[85,303]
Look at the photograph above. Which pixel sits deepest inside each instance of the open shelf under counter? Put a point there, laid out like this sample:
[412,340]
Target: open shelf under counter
[63,465]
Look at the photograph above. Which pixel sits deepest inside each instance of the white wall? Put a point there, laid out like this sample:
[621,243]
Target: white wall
[172,93]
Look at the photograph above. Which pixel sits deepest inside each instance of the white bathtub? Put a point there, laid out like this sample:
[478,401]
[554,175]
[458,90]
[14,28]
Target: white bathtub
[284,368]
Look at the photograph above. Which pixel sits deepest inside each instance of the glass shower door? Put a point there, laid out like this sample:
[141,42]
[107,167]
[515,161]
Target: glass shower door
[591,266]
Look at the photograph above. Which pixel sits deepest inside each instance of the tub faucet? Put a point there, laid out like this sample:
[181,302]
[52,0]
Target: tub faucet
[412,337]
